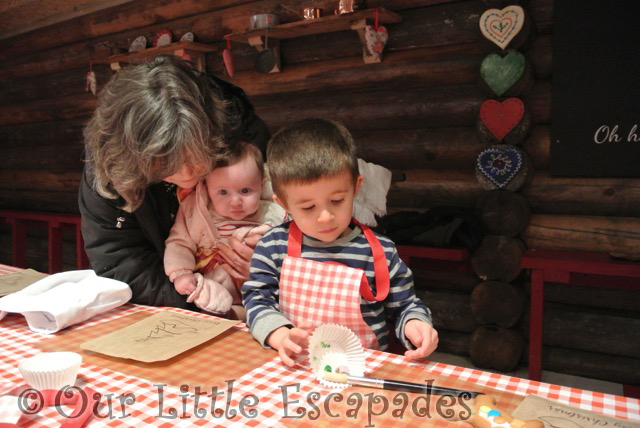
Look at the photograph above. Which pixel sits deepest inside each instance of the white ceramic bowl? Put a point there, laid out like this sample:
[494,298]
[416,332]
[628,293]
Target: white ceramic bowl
[51,370]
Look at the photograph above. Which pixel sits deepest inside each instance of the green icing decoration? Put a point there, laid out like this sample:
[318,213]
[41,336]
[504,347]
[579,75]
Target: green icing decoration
[501,73]
[328,368]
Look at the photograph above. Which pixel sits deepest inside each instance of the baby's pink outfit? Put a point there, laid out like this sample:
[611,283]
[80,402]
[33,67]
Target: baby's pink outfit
[193,246]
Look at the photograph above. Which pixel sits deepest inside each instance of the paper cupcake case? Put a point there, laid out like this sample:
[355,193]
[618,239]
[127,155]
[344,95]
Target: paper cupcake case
[333,346]
[51,370]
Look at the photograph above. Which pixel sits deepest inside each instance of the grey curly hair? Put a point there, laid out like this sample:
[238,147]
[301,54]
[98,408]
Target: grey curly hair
[152,119]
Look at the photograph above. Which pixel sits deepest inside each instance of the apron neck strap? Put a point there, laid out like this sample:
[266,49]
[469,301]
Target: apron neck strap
[294,249]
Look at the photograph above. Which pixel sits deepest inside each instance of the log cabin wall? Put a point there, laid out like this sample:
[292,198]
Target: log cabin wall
[414,113]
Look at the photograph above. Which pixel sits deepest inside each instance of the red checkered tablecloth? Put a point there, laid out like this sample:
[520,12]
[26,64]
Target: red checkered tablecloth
[268,395]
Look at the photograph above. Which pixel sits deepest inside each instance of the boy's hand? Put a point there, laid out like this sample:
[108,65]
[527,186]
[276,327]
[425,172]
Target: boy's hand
[289,342]
[423,336]
[185,284]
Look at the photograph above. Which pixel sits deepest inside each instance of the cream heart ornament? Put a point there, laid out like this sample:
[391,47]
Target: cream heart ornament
[501,26]
[376,39]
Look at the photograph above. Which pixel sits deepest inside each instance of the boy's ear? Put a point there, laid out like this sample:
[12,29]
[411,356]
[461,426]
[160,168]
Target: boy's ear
[277,200]
[358,184]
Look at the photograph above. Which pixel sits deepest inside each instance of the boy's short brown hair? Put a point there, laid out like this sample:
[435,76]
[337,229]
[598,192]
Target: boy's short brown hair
[309,150]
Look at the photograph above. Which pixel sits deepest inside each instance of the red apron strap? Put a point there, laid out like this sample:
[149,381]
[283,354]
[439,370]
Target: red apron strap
[294,243]
[380,268]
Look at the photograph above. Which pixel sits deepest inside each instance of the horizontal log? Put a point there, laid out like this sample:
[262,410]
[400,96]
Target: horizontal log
[56,85]
[36,200]
[62,155]
[587,329]
[453,342]
[596,365]
[70,107]
[33,135]
[429,107]
[591,296]
[449,310]
[616,235]
[43,180]
[460,282]
[546,194]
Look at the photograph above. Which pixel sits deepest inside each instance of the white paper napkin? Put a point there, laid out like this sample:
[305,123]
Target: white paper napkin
[64,299]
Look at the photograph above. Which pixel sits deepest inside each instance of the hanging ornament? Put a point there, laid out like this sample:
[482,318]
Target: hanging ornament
[376,37]
[227,57]
[91,83]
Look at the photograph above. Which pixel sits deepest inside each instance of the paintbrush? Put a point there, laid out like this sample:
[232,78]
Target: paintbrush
[397,385]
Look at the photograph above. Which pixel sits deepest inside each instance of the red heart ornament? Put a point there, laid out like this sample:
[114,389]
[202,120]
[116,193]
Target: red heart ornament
[501,117]
[229,61]
[376,39]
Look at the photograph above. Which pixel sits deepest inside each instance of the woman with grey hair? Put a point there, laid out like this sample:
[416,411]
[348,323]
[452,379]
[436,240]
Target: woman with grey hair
[157,130]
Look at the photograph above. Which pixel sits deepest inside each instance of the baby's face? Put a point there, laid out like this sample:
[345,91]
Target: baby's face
[235,190]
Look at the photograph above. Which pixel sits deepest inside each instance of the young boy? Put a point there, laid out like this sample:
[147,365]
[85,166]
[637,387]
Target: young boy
[323,266]
[227,202]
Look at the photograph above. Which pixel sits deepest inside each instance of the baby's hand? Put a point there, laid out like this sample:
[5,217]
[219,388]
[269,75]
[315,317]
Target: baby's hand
[289,342]
[423,336]
[185,284]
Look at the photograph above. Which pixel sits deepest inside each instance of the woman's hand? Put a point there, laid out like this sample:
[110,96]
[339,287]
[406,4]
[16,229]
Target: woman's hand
[238,257]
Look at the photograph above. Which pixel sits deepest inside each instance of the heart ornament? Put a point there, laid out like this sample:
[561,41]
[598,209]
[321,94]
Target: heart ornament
[500,165]
[501,73]
[501,117]
[375,40]
[501,26]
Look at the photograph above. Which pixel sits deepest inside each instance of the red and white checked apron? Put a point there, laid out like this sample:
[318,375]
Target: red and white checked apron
[329,292]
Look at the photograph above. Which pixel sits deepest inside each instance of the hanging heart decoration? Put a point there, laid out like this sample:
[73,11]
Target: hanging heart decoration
[376,37]
[500,165]
[501,26]
[501,73]
[228,59]
[501,117]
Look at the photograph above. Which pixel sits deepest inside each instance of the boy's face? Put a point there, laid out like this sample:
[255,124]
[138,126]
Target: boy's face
[235,189]
[322,209]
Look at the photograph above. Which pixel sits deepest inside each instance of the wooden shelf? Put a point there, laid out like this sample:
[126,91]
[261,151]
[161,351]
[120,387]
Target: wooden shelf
[195,51]
[327,24]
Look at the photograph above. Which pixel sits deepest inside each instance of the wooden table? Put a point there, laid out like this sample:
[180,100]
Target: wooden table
[250,387]
[576,268]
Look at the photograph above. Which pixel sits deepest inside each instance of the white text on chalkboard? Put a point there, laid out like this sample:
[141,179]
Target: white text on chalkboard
[606,134]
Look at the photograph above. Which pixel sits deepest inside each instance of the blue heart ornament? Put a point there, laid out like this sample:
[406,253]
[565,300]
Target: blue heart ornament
[500,165]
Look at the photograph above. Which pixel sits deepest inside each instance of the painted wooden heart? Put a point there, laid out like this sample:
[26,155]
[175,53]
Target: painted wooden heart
[375,39]
[500,165]
[501,117]
[501,73]
[501,26]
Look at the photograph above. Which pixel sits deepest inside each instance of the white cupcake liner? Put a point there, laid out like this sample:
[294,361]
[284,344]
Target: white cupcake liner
[342,343]
[51,370]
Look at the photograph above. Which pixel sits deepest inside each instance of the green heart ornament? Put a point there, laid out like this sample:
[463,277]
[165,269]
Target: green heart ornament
[501,73]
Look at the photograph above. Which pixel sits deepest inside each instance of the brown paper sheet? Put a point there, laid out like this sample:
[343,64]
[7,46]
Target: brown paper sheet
[558,415]
[13,282]
[226,357]
[159,337]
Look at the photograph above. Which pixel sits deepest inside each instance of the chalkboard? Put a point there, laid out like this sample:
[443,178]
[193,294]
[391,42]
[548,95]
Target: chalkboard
[595,125]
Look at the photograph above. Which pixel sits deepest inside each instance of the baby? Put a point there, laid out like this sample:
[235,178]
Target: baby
[227,202]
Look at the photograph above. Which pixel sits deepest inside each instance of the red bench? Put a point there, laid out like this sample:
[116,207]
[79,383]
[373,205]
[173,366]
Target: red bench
[20,220]
[575,268]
